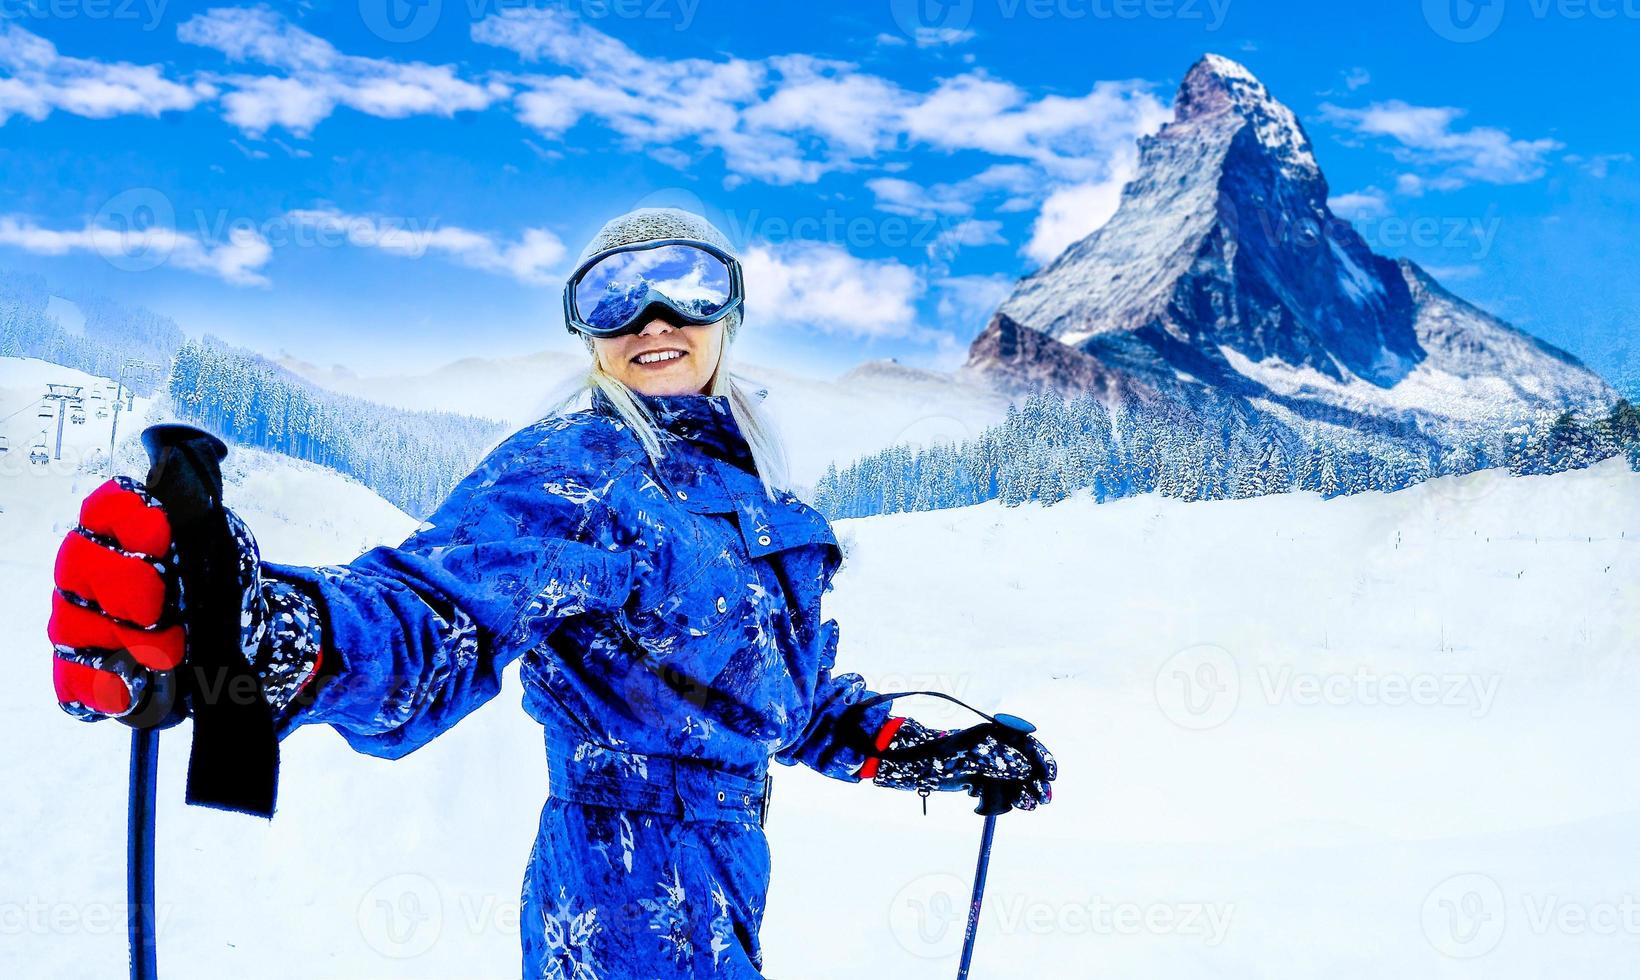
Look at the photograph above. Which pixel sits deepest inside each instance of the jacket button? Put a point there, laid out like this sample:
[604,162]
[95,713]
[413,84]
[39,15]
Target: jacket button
[722,604]
[720,796]
[763,539]
[746,800]
[682,495]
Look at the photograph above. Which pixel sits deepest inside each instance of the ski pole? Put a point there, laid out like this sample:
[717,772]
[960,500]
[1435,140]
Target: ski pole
[139,853]
[993,801]
[986,836]
[993,795]
[235,758]
[162,709]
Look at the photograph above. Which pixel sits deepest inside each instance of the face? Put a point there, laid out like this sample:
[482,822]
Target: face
[693,355]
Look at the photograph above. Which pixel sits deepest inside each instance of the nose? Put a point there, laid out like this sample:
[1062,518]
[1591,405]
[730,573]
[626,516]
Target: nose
[656,326]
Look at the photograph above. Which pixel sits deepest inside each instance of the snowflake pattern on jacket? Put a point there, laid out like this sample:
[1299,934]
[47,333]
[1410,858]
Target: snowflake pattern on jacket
[666,616]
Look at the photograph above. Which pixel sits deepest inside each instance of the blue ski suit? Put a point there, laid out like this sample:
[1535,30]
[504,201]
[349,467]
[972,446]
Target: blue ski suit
[667,620]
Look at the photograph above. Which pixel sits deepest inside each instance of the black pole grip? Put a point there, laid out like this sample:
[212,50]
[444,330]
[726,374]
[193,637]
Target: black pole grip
[234,763]
[993,797]
[993,794]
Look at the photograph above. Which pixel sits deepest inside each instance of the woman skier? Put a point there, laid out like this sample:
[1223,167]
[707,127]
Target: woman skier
[659,587]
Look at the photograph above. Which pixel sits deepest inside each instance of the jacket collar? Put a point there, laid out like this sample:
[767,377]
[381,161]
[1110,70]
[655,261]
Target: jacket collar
[719,485]
[702,421]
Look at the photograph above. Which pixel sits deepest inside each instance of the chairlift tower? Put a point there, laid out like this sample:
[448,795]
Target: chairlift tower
[133,367]
[62,395]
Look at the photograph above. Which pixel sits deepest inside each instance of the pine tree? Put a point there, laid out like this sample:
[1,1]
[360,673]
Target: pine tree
[1269,471]
[1530,455]
[1330,477]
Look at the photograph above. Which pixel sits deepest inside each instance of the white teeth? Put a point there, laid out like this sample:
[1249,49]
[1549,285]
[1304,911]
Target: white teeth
[659,356]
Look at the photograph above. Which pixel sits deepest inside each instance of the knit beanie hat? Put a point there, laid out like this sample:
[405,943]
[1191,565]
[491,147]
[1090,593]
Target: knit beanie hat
[654,224]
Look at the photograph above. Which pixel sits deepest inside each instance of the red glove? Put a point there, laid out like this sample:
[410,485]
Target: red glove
[114,622]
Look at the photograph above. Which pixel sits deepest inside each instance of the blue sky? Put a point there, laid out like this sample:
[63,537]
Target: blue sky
[392,184]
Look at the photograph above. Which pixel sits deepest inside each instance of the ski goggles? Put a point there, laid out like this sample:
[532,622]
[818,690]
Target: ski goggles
[621,289]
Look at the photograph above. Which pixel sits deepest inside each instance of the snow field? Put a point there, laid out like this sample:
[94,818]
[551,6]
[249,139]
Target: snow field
[1383,735]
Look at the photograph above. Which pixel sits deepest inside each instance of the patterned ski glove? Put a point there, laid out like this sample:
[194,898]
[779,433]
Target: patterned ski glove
[929,760]
[116,613]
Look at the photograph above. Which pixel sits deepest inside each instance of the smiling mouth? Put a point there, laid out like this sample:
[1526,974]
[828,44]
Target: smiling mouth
[659,356]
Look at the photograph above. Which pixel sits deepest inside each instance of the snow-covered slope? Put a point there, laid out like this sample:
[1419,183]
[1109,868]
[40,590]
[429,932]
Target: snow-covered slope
[271,491]
[1285,725]
[1224,267]
[492,388]
[875,405]
[27,420]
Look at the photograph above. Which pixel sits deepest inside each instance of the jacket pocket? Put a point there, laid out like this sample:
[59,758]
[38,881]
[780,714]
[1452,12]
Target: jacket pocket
[712,594]
[766,528]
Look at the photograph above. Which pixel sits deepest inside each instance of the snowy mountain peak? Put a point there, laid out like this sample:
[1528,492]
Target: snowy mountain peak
[1223,269]
[1216,85]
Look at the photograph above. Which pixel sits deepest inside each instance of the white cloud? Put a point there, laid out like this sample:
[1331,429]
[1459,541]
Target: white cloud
[1369,203]
[1011,177]
[1425,135]
[236,260]
[38,80]
[1412,185]
[939,37]
[314,78]
[533,258]
[855,115]
[823,287]
[793,118]
[1073,212]
[1356,78]
[672,157]
[899,196]
[294,151]
[1599,166]
[653,100]
[965,234]
[1070,138]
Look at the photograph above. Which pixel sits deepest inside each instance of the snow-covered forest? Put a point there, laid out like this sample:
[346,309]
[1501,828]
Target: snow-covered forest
[411,458]
[1049,448]
[110,336]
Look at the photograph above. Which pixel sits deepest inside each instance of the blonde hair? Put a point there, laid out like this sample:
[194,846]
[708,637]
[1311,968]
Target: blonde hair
[762,435]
